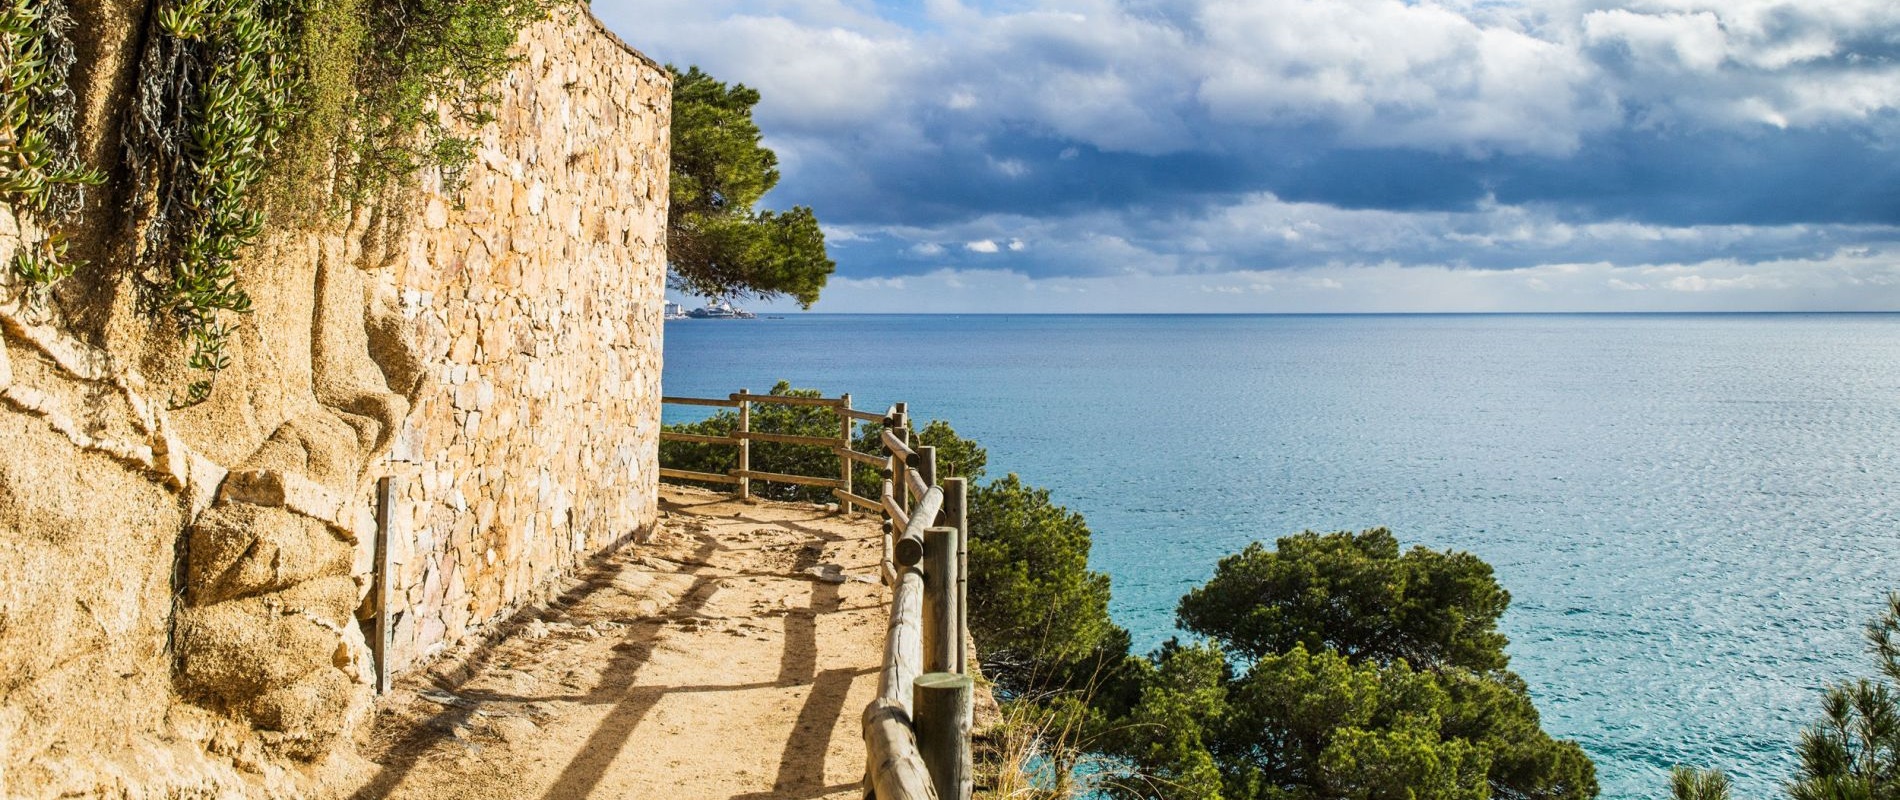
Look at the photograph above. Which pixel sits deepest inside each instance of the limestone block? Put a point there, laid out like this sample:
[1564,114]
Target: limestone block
[6,368]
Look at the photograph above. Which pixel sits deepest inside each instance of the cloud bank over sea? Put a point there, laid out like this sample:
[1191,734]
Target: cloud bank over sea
[1172,155]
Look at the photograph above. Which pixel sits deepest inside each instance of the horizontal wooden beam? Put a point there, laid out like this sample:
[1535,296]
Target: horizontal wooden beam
[863,458]
[787,438]
[909,548]
[895,768]
[699,401]
[866,416]
[689,475]
[787,400]
[694,438]
[778,477]
[903,640]
[896,513]
[897,446]
[865,503]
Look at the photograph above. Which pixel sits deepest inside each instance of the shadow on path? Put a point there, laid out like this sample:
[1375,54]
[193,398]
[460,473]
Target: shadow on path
[403,755]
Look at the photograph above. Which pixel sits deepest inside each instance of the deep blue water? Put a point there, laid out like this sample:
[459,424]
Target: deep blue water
[1694,514]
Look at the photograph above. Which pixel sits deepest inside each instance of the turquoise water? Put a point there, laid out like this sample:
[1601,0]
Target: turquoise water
[1694,514]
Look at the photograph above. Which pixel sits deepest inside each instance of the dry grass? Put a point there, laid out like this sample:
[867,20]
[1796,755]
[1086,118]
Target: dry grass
[1049,748]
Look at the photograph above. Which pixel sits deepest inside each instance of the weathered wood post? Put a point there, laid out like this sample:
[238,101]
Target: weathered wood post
[745,445]
[902,477]
[385,516]
[889,564]
[956,514]
[940,600]
[844,461]
[940,710]
[927,465]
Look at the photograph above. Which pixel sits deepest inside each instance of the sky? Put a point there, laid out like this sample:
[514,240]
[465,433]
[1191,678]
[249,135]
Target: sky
[1085,156]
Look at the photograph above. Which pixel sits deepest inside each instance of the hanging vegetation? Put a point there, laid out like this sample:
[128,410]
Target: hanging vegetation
[433,65]
[40,175]
[365,93]
[212,93]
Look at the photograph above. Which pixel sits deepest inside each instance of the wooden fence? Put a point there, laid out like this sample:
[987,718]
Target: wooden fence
[917,731]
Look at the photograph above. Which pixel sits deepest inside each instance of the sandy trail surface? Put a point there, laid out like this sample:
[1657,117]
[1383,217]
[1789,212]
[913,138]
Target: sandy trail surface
[729,658]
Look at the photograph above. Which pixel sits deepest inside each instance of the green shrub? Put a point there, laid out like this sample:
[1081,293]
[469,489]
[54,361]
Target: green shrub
[1038,613]
[1357,595]
[429,65]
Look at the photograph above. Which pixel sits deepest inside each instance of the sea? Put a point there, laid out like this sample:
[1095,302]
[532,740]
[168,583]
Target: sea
[1695,515]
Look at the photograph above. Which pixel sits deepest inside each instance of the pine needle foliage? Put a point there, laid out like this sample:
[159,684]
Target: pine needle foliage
[1853,753]
[1689,783]
[717,245]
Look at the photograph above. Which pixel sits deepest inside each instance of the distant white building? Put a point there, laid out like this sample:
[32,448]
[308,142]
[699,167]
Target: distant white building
[675,311]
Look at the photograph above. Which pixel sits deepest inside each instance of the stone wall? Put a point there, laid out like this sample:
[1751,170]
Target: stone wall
[182,591]
[537,305]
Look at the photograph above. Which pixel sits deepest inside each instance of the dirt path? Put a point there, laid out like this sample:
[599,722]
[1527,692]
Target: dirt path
[725,659]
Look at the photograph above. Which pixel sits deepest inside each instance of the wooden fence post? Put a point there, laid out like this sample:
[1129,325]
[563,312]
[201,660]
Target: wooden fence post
[940,711]
[927,465]
[940,600]
[902,477]
[889,565]
[745,446]
[385,516]
[844,461]
[956,514]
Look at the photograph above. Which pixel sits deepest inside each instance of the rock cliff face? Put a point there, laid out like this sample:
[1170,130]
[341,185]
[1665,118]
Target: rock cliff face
[184,594]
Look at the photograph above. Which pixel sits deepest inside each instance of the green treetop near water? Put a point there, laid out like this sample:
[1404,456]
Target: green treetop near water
[1337,666]
[716,244]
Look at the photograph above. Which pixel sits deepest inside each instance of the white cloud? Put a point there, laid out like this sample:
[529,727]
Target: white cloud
[1388,72]
[981,246]
[927,249]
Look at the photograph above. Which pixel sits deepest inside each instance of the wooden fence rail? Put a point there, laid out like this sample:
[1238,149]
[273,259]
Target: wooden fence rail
[917,731]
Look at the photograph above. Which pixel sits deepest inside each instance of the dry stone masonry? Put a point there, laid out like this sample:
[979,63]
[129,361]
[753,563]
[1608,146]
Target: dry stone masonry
[537,307]
[184,593]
